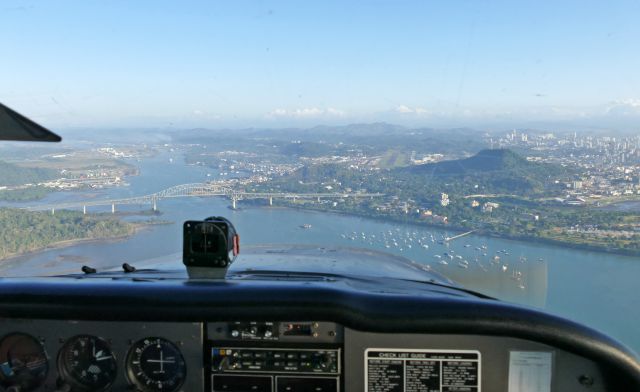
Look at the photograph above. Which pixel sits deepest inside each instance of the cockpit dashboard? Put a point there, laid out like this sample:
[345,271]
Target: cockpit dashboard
[128,332]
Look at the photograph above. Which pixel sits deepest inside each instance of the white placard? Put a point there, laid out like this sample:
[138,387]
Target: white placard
[530,371]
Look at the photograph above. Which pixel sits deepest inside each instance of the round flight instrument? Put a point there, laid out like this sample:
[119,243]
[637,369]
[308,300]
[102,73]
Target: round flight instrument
[87,363]
[23,362]
[156,364]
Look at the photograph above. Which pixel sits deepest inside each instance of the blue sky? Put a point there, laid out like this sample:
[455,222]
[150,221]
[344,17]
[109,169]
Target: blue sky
[234,63]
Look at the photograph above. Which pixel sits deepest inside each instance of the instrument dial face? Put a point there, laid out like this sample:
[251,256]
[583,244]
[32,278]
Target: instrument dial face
[156,364]
[23,362]
[87,363]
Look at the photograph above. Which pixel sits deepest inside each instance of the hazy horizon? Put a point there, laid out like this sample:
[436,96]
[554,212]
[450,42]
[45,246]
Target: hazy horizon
[282,64]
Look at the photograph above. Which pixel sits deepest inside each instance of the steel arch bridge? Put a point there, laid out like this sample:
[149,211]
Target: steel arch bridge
[195,190]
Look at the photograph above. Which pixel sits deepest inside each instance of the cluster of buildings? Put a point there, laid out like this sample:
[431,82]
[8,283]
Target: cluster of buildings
[229,163]
[606,166]
[115,153]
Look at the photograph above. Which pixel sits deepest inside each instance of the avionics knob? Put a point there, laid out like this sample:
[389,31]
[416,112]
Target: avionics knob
[268,333]
[321,361]
[235,333]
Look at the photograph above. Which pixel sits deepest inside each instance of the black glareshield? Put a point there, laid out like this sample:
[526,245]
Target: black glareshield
[212,243]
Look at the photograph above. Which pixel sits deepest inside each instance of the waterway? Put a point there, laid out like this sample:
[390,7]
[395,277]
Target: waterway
[595,288]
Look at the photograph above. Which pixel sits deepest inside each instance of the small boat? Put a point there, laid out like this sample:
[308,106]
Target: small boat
[305,226]
[462,265]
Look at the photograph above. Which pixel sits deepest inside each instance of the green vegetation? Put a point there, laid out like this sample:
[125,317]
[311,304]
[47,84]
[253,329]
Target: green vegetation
[24,194]
[26,231]
[306,149]
[522,191]
[11,174]
[493,171]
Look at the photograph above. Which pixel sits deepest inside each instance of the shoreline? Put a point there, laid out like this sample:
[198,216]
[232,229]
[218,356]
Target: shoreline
[137,227]
[478,232]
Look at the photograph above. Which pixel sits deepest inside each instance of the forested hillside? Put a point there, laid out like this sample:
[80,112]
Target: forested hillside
[11,174]
[23,231]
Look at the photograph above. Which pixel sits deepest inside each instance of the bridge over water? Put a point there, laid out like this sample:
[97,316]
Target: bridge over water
[196,190]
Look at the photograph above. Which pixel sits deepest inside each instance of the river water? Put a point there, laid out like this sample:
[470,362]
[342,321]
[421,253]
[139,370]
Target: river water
[597,289]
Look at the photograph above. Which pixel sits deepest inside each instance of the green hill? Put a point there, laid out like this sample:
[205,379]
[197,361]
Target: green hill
[493,171]
[11,174]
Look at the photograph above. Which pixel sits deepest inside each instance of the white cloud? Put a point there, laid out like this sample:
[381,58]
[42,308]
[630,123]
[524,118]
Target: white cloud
[278,113]
[204,114]
[624,107]
[306,113]
[404,109]
[633,102]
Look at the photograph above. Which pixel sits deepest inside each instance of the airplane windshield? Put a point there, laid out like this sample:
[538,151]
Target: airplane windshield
[495,144]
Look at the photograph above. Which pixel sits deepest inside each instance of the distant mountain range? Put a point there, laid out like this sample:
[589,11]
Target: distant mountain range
[373,139]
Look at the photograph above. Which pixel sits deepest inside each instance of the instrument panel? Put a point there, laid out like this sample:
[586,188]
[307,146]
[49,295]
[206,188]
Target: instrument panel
[259,356]
[48,355]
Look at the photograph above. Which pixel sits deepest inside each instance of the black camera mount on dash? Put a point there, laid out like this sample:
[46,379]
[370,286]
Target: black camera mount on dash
[209,247]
